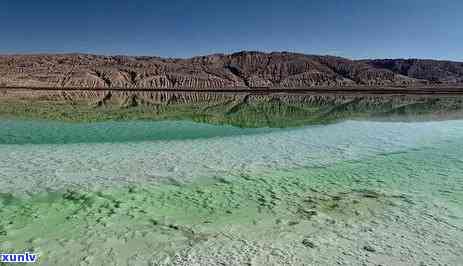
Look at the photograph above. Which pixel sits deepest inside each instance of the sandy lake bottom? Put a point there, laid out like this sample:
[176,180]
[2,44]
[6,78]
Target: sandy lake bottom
[183,193]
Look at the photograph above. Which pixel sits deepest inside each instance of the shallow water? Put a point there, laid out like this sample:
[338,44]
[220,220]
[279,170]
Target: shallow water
[185,193]
[185,151]
[51,132]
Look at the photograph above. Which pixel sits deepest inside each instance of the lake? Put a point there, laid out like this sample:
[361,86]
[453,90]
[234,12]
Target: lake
[179,192]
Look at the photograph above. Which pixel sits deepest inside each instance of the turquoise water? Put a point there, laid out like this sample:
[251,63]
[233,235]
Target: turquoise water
[183,193]
[49,132]
[184,151]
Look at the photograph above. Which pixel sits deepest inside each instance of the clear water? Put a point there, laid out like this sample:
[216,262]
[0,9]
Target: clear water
[49,132]
[250,185]
[111,153]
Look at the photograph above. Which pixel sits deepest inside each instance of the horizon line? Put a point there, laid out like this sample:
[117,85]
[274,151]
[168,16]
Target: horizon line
[224,54]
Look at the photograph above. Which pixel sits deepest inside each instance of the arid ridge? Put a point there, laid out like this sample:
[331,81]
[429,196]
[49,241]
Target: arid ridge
[366,90]
[245,69]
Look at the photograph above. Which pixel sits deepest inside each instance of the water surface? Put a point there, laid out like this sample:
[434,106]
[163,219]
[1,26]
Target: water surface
[180,193]
[52,132]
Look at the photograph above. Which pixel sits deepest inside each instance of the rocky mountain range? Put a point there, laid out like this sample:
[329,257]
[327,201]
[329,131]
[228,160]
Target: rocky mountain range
[237,70]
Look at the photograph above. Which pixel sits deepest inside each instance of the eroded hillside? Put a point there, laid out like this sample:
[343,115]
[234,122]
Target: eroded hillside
[243,69]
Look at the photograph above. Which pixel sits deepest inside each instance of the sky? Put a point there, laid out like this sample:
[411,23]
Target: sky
[184,28]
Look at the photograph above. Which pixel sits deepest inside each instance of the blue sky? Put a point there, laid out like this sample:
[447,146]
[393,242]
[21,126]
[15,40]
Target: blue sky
[183,28]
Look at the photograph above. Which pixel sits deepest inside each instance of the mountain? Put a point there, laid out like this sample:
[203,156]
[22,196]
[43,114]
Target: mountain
[242,69]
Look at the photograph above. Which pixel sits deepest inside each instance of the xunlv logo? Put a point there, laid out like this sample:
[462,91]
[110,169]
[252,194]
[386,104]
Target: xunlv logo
[18,258]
